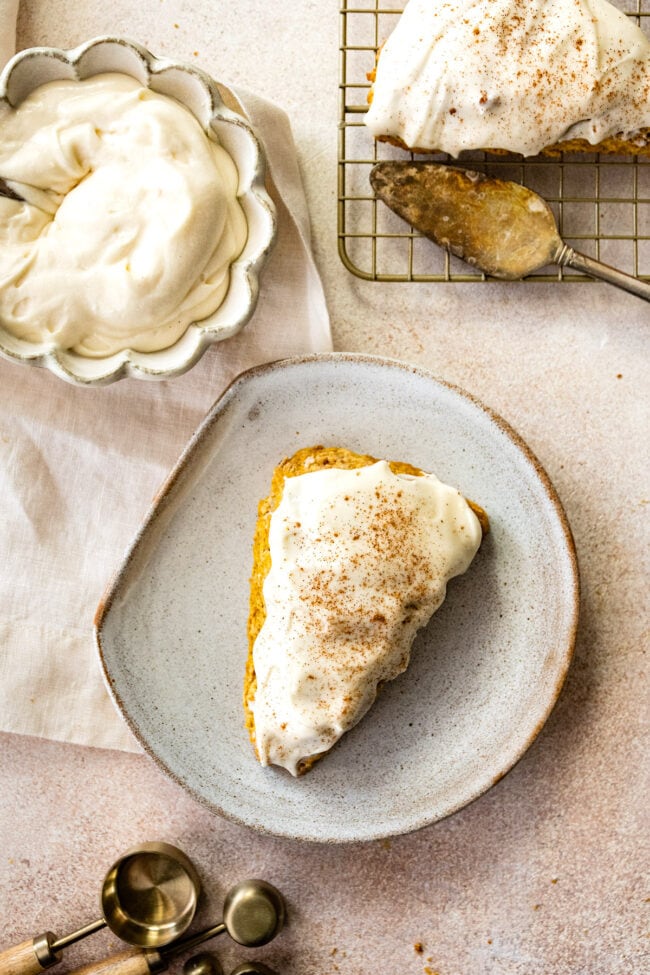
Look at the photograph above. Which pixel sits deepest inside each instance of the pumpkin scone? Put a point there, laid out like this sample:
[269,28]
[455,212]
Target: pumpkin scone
[351,557]
[517,76]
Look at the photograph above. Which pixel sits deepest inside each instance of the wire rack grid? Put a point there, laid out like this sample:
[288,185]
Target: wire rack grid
[601,202]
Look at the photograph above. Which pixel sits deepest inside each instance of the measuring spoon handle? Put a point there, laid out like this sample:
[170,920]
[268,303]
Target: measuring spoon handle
[148,961]
[596,269]
[135,961]
[29,957]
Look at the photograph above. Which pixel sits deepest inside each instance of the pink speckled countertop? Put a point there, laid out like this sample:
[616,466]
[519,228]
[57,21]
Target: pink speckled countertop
[546,873]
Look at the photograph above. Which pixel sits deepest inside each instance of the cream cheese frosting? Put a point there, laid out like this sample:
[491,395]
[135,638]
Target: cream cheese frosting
[360,559]
[130,222]
[519,75]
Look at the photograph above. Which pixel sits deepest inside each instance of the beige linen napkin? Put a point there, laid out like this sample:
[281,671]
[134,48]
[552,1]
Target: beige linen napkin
[78,469]
[8,16]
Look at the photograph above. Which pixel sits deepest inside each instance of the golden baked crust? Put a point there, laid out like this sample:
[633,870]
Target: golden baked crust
[611,146]
[305,460]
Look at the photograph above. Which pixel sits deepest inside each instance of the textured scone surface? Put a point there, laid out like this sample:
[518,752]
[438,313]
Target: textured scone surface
[521,76]
[351,557]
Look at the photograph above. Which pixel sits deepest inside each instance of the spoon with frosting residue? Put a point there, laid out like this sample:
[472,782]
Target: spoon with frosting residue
[500,227]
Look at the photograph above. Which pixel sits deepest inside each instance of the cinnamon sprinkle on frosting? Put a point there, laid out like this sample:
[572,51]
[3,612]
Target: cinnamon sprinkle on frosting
[515,75]
[360,559]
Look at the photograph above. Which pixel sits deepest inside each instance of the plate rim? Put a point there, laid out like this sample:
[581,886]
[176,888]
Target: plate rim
[163,496]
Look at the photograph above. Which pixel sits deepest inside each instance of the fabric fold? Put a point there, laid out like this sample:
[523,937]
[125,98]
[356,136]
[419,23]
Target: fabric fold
[79,467]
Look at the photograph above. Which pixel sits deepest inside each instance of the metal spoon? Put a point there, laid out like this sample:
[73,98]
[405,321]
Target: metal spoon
[46,200]
[207,964]
[6,190]
[148,898]
[252,968]
[500,227]
[253,914]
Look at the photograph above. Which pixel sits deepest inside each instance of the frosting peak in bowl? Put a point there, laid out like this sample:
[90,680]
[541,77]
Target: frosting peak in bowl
[157,258]
[130,221]
[519,75]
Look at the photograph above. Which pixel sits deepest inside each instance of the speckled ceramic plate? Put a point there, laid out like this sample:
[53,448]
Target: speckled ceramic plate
[485,672]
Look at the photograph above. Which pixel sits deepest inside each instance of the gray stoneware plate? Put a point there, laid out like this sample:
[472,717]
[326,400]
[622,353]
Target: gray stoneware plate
[485,672]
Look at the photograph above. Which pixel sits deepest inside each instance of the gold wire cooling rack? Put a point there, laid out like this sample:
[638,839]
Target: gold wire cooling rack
[602,203]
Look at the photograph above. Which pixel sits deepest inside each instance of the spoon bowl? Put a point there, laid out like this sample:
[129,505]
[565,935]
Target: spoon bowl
[253,913]
[150,894]
[501,227]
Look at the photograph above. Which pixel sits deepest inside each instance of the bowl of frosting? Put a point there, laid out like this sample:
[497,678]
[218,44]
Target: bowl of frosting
[134,219]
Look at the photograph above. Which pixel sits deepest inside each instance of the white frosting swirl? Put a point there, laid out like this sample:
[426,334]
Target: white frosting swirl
[360,559]
[131,222]
[519,75]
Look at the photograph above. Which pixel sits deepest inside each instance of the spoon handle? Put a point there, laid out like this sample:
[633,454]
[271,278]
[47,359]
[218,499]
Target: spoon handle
[29,958]
[147,961]
[131,962]
[6,190]
[596,269]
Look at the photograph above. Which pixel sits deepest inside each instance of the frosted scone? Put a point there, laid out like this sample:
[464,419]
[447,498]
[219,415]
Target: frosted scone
[351,556]
[521,76]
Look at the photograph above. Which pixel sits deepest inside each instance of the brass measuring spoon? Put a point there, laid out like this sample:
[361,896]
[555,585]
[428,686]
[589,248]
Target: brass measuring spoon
[148,898]
[253,914]
[207,964]
[497,226]
[252,968]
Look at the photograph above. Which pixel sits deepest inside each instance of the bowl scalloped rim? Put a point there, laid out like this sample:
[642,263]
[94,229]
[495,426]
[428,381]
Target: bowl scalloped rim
[245,270]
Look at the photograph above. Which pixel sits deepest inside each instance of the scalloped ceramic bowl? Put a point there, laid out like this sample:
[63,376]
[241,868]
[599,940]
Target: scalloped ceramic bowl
[198,92]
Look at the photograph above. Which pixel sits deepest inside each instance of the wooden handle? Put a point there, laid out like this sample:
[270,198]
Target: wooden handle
[20,960]
[131,962]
